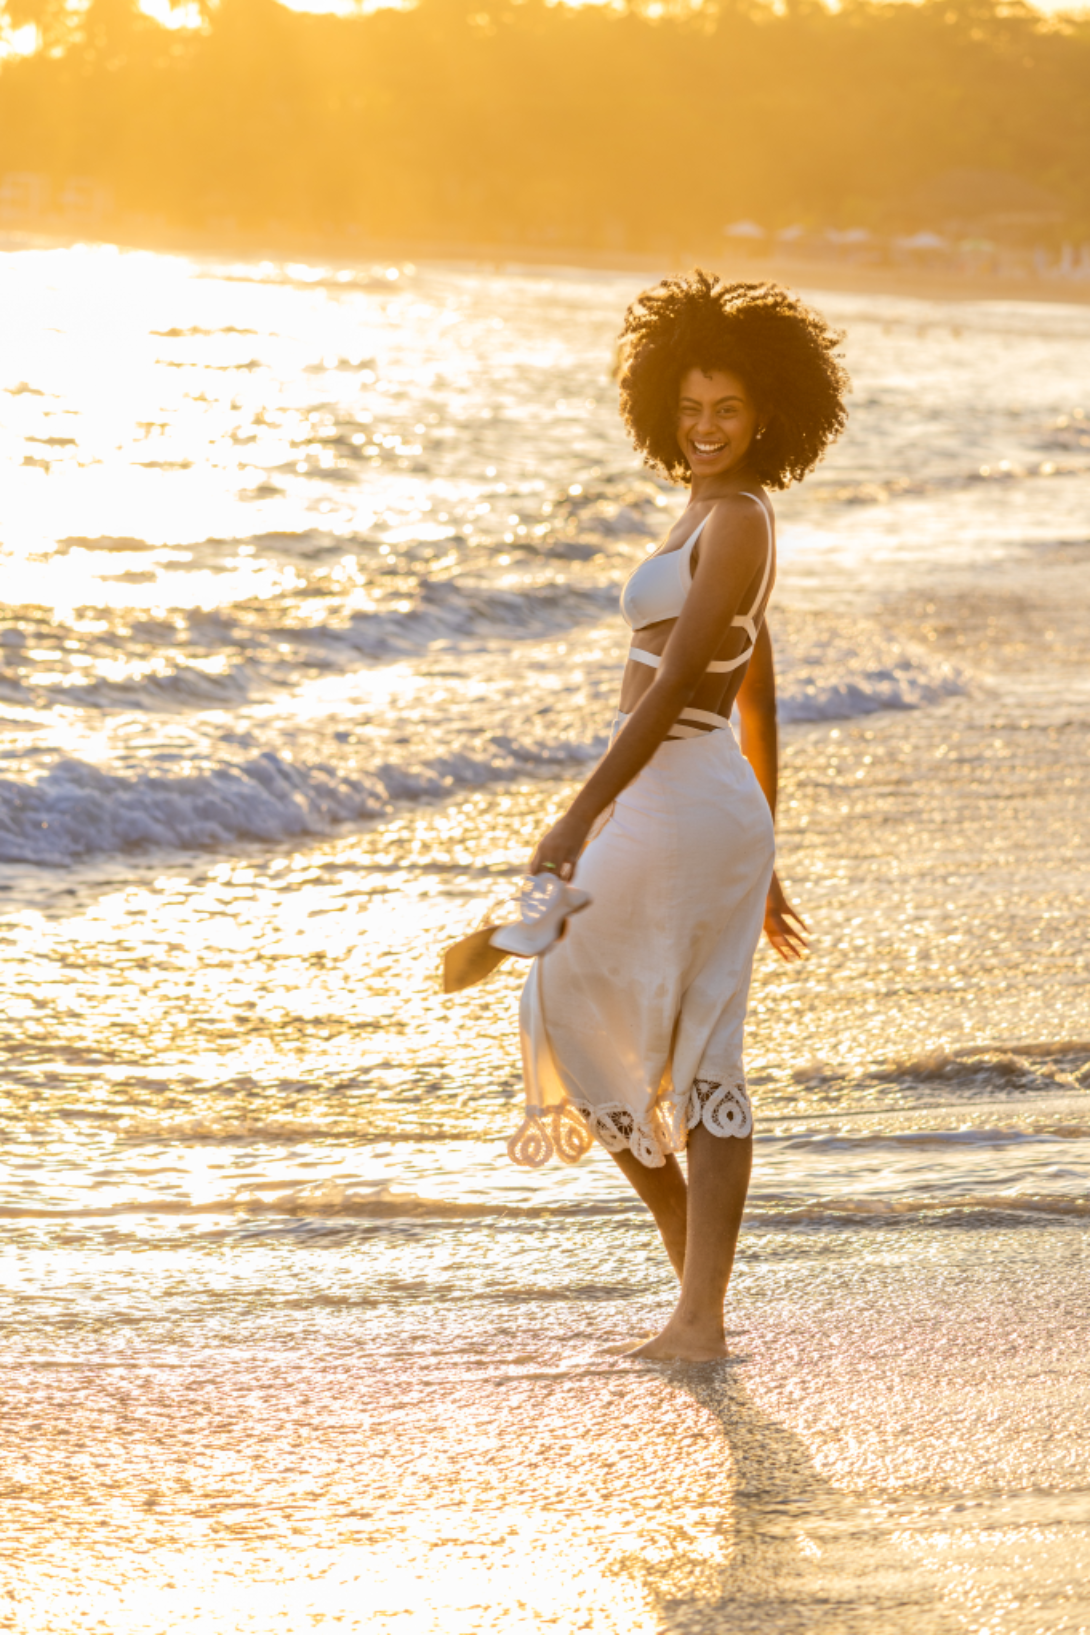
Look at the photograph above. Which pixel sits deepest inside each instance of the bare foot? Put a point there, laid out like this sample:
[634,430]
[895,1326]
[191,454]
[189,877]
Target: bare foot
[623,1350]
[681,1344]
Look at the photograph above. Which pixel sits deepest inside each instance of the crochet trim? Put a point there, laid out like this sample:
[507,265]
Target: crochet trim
[568,1131]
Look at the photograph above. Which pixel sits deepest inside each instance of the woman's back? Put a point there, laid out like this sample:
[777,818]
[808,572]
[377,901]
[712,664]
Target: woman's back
[651,602]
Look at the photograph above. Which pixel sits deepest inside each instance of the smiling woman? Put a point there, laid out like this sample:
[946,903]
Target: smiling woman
[632,1026]
[715,415]
[783,352]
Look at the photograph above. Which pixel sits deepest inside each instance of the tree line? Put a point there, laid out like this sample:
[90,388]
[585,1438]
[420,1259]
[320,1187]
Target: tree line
[625,126]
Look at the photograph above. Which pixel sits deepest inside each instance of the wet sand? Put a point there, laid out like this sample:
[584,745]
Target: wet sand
[898,1439]
[288,1342]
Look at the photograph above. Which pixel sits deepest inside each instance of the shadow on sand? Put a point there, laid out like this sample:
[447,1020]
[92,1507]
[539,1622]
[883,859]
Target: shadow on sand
[786,1551]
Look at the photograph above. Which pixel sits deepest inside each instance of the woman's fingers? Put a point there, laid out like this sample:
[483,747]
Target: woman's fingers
[785,927]
[778,904]
[558,850]
[786,939]
[563,870]
[549,860]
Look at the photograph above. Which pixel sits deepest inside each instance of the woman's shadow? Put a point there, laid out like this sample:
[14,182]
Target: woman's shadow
[794,1552]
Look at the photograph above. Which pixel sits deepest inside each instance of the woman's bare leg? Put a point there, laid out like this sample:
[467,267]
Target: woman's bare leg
[664,1192]
[719,1169]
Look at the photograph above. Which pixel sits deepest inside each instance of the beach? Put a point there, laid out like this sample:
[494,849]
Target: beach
[311,628]
[879,270]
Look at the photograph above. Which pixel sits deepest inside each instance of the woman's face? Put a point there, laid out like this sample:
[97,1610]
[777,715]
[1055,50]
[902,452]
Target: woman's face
[716,421]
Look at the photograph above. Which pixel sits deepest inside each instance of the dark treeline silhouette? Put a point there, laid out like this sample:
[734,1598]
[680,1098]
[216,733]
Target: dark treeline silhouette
[485,120]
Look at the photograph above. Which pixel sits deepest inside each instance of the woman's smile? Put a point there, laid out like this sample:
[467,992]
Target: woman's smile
[716,421]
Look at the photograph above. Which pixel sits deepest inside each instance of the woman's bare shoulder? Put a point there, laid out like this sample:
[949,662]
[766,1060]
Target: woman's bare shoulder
[737,526]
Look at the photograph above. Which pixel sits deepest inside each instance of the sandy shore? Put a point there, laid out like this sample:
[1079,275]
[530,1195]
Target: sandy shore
[365,1453]
[920,282]
[288,1342]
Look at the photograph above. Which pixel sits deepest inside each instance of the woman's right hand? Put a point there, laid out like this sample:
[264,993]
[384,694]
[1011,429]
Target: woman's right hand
[558,849]
[785,928]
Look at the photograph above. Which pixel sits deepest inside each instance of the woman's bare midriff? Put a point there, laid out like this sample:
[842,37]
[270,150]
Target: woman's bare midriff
[715,692]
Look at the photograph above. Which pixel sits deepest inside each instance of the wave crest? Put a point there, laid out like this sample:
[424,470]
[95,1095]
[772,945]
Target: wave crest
[76,809]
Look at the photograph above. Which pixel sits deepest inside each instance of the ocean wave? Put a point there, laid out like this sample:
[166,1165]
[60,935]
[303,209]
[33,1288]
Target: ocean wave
[332,1199]
[805,696]
[838,684]
[336,1200]
[242,657]
[254,776]
[950,1141]
[1052,440]
[183,688]
[978,1207]
[77,810]
[446,611]
[1021,1069]
[320,1200]
[854,669]
[1060,1064]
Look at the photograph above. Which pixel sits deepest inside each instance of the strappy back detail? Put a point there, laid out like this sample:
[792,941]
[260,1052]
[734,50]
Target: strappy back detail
[749,622]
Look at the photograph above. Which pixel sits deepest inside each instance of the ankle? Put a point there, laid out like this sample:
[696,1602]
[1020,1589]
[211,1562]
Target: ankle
[708,1323]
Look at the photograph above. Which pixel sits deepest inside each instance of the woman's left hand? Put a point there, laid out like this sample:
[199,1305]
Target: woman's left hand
[785,928]
[558,850]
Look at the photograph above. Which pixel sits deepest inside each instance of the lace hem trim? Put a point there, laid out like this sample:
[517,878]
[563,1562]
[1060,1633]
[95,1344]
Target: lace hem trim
[568,1131]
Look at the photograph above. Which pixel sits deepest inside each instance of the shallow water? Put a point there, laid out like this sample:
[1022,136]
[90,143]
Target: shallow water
[311,577]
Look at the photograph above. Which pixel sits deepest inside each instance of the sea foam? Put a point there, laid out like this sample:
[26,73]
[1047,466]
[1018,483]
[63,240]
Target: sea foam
[75,809]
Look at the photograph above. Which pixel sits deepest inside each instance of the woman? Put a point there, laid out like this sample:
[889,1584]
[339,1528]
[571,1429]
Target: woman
[632,1024]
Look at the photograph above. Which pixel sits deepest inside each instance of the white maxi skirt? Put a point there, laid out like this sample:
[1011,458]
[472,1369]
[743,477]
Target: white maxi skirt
[632,1025]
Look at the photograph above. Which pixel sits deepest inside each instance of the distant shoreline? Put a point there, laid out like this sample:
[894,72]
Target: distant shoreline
[846,277]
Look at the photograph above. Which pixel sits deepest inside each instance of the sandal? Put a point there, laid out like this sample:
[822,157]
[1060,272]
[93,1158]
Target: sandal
[545,904]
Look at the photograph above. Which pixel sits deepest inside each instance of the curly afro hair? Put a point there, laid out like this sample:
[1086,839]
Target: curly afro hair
[785,353]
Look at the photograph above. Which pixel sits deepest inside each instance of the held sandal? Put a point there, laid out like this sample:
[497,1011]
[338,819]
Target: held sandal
[545,904]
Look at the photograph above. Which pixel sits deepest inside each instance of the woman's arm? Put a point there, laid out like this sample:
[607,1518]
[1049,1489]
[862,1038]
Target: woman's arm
[784,928]
[757,708]
[732,549]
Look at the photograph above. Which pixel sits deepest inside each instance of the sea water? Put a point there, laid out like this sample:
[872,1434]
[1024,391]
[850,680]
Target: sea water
[311,577]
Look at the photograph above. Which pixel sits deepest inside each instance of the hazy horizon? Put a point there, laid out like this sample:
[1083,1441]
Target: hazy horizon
[562,126]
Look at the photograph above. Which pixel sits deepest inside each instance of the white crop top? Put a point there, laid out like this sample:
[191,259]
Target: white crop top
[658,588]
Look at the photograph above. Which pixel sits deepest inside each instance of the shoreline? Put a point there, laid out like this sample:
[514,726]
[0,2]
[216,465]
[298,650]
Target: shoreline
[304,1346]
[927,284]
